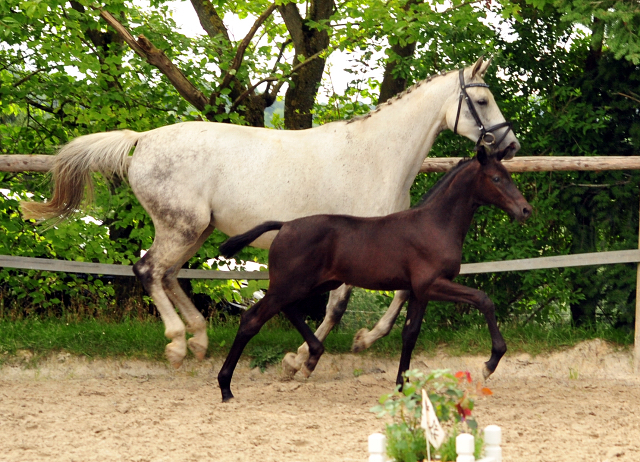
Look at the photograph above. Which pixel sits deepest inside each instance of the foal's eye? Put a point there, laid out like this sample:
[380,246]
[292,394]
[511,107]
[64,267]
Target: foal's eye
[482,102]
[496,179]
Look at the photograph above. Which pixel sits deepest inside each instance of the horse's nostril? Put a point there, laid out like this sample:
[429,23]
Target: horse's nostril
[526,211]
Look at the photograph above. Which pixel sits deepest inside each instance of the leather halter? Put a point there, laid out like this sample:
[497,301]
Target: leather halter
[487,140]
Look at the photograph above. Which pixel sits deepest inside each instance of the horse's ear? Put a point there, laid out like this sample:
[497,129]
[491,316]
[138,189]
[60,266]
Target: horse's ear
[481,155]
[480,67]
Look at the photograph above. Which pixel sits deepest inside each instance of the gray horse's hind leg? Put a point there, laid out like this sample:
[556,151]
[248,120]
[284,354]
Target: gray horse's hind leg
[169,247]
[365,338]
[338,300]
[196,323]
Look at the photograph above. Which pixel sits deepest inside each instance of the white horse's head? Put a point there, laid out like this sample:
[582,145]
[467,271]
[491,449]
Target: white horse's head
[473,112]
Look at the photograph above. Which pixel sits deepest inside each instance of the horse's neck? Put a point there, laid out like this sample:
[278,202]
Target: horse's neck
[406,127]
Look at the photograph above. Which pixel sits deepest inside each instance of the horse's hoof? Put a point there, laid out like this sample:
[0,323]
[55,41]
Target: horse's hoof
[486,372]
[227,396]
[197,349]
[175,358]
[289,369]
[358,341]
[305,371]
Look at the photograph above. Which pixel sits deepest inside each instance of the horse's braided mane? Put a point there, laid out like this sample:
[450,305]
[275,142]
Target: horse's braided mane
[391,100]
[444,181]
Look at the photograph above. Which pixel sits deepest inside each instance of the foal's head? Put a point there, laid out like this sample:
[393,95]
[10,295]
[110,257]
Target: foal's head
[494,186]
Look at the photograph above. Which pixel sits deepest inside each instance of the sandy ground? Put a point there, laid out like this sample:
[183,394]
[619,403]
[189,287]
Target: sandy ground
[579,405]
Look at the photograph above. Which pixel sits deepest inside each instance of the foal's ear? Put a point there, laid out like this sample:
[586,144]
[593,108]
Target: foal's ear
[481,155]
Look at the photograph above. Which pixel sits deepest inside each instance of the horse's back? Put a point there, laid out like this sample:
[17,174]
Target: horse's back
[243,176]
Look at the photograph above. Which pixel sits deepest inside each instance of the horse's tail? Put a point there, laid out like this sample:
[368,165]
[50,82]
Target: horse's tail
[107,153]
[233,245]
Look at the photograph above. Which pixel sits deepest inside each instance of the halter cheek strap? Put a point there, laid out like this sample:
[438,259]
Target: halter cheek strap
[486,134]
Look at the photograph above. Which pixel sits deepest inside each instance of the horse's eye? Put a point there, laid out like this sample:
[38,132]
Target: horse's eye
[482,102]
[496,179]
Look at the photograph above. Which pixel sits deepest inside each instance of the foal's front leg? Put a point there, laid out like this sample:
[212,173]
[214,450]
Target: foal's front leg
[410,332]
[448,291]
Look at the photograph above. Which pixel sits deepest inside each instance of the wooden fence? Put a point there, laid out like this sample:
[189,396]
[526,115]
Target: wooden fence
[42,163]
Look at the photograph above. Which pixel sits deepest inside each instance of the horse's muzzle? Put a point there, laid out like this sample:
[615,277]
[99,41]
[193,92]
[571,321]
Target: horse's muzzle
[525,213]
[511,150]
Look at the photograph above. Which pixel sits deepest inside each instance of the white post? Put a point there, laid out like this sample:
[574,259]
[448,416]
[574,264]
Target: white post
[492,441]
[464,448]
[377,447]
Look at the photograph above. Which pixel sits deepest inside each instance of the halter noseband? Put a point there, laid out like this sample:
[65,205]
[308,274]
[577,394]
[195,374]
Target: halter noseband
[486,134]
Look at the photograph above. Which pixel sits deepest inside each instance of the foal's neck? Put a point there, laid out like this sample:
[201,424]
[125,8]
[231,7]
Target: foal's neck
[453,206]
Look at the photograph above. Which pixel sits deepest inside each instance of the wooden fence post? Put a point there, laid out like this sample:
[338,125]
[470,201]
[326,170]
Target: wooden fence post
[636,339]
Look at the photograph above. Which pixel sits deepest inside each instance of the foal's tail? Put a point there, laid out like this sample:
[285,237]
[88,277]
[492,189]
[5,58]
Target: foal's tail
[107,153]
[233,245]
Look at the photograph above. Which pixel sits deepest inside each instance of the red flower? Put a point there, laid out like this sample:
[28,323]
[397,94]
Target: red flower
[464,412]
[460,375]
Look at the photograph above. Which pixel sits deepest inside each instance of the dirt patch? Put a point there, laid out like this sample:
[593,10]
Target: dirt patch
[579,405]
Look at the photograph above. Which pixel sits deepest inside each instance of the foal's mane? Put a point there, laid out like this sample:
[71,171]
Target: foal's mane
[445,181]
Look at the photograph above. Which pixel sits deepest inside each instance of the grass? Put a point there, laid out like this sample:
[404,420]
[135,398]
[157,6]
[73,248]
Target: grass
[145,339]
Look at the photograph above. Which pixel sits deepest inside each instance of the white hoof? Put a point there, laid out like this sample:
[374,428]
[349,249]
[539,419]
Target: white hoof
[359,343]
[197,348]
[289,369]
[175,354]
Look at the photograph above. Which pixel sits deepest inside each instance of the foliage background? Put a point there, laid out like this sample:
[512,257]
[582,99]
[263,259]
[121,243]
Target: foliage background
[567,73]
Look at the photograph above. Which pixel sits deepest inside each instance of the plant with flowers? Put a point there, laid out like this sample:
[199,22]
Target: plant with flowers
[452,396]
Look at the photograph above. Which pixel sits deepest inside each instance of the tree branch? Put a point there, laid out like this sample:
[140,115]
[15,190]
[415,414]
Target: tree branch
[145,49]
[237,60]
[28,77]
[249,90]
[275,65]
[210,19]
[628,96]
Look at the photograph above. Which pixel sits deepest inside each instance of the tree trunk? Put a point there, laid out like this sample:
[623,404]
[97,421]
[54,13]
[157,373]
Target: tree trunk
[393,84]
[303,88]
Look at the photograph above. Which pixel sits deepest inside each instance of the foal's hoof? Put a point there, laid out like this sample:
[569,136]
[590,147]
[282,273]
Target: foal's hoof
[358,341]
[289,368]
[486,373]
[226,396]
[198,350]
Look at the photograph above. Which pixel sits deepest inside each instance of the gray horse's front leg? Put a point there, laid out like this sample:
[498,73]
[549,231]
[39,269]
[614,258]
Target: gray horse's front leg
[338,299]
[365,338]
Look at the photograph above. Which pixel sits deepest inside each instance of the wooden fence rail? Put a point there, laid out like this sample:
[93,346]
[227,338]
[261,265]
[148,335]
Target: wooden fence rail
[560,261]
[42,163]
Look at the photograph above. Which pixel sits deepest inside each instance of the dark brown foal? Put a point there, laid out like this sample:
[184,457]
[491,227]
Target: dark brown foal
[417,250]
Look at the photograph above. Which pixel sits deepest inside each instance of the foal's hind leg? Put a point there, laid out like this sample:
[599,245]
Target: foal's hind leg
[314,345]
[250,323]
[338,300]
[196,323]
[365,338]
